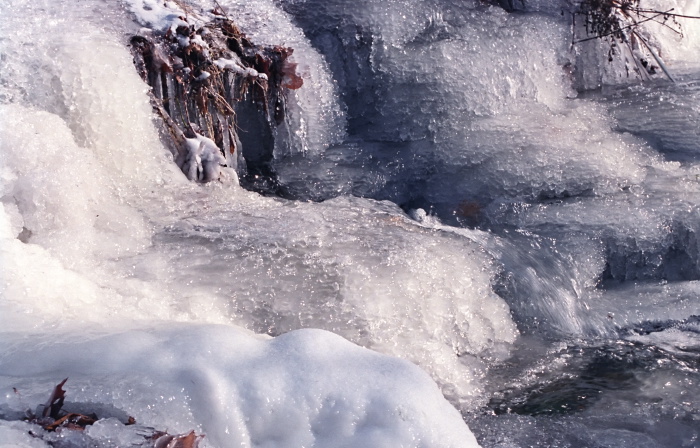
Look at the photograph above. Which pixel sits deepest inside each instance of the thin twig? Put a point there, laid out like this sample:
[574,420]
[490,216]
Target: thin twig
[221,9]
[664,24]
[620,29]
[668,13]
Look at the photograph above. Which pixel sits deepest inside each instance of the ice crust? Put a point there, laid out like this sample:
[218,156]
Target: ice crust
[485,129]
[305,388]
[476,102]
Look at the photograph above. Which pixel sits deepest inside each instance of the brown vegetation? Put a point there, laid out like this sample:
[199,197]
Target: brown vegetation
[53,419]
[200,76]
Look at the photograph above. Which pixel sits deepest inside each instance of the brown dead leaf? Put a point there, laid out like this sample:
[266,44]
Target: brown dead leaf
[71,421]
[290,78]
[189,440]
[55,402]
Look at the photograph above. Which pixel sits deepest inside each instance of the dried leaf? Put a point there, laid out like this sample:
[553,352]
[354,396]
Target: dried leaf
[55,402]
[290,78]
[78,422]
[189,440]
[71,421]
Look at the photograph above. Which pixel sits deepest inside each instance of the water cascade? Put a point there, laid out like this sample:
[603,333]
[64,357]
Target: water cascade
[463,231]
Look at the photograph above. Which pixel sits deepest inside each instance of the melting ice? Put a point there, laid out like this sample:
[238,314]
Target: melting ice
[495,244]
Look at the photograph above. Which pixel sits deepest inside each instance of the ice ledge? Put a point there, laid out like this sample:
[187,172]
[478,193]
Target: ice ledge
[304,388]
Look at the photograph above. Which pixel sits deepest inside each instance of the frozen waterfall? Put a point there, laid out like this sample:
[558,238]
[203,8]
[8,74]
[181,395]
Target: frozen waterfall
[480,234]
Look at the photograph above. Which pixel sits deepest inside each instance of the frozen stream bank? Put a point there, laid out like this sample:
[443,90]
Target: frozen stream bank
[506,243]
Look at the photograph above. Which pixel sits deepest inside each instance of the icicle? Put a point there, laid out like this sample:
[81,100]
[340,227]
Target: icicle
[656,58]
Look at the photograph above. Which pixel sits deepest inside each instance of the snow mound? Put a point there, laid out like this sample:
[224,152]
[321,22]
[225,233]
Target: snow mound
[303,388]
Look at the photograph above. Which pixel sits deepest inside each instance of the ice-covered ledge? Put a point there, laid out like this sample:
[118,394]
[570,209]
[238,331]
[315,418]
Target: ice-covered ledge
[303,388]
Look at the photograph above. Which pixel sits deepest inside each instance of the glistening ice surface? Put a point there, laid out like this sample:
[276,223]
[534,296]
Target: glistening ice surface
[495,254]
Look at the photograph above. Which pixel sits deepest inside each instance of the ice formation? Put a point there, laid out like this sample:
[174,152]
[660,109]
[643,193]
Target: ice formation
[516,251]
[90,204]
[304,388]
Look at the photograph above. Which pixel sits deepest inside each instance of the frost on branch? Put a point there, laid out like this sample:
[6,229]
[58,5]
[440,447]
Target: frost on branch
[621,22]
[205,73]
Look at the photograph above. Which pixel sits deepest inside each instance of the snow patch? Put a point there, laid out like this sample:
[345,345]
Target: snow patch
[304,388]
